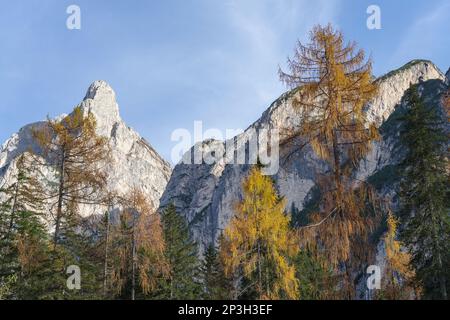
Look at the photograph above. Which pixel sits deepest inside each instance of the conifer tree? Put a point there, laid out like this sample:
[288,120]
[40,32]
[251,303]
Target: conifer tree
[137,249]
[23,237]
[258,244]
[425,195]
[6,285]
[104,247]
[446,105]
[216,285]
[181,255]
[332,83]
[446,102]
[71,149]
[76,154]
[317,280]
[398,273]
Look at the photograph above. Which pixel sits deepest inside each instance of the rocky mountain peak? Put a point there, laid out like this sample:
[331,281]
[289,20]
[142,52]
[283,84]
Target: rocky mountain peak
[392,86]
[99,87]
[133,161]
[206,197]
[395,83]
[100,100]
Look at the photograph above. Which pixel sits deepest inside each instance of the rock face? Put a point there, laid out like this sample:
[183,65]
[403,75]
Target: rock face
[205,194]
[134,161]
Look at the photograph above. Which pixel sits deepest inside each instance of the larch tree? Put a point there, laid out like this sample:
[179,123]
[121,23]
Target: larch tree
[258,244]
[137,249]
[398,272]
[424,195]
[76,154]
[111,201]
[333,83]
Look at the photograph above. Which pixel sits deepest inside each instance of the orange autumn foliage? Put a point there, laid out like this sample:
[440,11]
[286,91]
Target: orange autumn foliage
[332,83]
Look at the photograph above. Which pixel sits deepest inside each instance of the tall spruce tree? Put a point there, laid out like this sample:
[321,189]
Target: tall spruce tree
[425,195]
[215,283]
[181,255]
[317,280]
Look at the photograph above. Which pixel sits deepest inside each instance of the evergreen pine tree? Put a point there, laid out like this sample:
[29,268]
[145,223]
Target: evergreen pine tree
[424,195]
[181,255]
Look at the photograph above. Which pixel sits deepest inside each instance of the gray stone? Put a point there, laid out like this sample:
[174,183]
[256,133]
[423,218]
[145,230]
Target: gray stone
[134,161]
[207,200]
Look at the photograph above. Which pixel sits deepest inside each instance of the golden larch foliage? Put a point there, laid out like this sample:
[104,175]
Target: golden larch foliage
[333,83]
[258,241]
[137,245]
[399,260]
[77,156]
[398,274]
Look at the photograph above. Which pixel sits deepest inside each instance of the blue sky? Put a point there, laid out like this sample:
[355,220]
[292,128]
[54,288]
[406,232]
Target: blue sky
[173,62]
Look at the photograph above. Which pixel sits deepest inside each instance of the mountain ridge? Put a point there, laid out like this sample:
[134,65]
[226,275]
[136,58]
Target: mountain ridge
[205,194]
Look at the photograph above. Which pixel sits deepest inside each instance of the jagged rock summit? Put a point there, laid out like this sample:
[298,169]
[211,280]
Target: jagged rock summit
[100,100]
[134,161]
[206,194]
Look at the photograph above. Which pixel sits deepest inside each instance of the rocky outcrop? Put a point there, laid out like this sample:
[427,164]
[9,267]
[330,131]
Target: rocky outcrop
[206,196]
[134,162]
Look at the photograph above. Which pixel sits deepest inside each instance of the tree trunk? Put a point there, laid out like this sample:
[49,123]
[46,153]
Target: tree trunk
[14,207]
[337,164]
[172,293]
[105,264]
[60,199]
[267,281]
[442,280]
[436,245]
[260,286]
[133,266]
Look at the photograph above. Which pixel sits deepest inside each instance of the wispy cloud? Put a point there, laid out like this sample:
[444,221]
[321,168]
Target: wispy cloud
[268,31]
[424,36]
[170,66]
[267,23]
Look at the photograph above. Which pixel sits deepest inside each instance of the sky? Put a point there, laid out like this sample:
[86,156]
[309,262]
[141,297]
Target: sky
[173,62]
